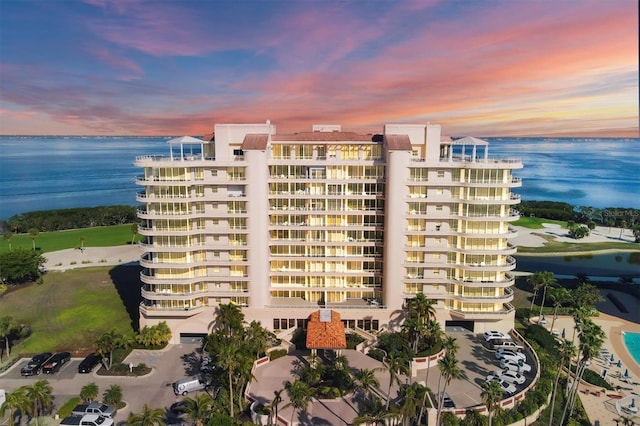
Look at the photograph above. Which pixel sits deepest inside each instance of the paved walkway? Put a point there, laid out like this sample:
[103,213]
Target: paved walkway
[91,256]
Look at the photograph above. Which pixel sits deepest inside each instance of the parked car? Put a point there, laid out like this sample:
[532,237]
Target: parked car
[34,365]
[447,402]
[508,388]
[103,410]
[508,353]
[511,376]
[54,363]
[86,420]
[493,335]
[89,363]
[505,344]
[518,366]
[189,384]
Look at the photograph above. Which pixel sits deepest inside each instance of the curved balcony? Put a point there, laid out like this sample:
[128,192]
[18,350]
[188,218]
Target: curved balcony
[147,277]
[508,265]
[505,298]
[151,231]
[509,249]
[510,233]
[155,311]
[156,295]
[508,282]
[511,200]
[507,309]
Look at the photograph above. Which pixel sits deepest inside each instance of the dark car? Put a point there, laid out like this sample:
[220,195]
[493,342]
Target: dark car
[35,364]
[89,363]
[54,363]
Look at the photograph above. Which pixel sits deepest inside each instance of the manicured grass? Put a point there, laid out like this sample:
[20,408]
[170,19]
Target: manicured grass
[69,310]
[536,222]
[104,236]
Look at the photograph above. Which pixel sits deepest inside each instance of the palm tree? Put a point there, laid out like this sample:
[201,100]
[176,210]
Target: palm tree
[374,412]
[39,394]
[396,364]
[106,344]
[341,362]
[450,345]
[228,360]
[541,280]
[300,395]
[366,380]
[15,401]
[113,395]
[198,409]
[8,326]
[33,234]
[491,396]
[229,319]
[7,236]
[148,417]
[89,392]
[449,370]
[567,352]
[411,397]
[275,403]
[134,232]
[559,296]
[591,340]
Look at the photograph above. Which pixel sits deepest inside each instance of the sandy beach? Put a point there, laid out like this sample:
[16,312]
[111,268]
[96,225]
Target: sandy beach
[91,256]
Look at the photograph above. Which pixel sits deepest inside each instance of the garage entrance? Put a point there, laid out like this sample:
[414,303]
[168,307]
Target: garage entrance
[458,326]
[192,338]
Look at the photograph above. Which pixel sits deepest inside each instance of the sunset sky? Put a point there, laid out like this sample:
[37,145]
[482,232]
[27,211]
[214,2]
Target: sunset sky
[482,68]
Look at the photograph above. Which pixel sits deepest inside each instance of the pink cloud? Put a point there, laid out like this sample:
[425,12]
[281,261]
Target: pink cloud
[117,62]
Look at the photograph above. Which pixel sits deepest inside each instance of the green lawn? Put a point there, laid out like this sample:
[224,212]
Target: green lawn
[71,309]
[536,222]
[105,236]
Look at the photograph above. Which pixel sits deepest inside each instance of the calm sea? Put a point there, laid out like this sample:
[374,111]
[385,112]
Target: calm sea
[41,173]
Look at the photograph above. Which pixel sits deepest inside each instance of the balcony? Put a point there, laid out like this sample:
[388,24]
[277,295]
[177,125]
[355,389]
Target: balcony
[471,298]
[155,311]
[507,309]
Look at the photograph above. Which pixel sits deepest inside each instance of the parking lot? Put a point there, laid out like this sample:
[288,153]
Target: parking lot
[154,389]
[477,361]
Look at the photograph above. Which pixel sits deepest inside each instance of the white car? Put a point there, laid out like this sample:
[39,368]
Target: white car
[511,376]
[508,353]
[514,365]
[509,388]
[497,375]
[493,334]
[507,345]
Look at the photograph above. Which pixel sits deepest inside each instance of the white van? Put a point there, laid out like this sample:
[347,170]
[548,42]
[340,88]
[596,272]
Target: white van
[189,384]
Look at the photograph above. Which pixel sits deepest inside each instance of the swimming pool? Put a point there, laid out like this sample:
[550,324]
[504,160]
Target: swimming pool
[632,342]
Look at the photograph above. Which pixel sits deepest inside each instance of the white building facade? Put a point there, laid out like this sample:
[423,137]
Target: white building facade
[281,224]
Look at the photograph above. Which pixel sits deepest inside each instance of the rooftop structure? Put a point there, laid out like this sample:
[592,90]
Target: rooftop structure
[358,223]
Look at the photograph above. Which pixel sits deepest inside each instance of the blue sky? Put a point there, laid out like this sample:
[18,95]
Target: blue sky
[486,68]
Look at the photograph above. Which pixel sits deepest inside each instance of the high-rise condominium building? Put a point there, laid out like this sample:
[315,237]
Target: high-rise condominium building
[282,224]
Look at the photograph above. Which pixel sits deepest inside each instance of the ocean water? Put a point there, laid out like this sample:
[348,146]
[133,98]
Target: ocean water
[41,173]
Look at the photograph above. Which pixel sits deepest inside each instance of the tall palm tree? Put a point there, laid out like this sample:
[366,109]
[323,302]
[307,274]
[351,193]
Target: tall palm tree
[8,235]
[33,234]
[148,417]
[15,402]
[491,396]
[396,365]
[450,345]
[449,370]
[559,296]
[113,395]
[567,352]
[366,380]
[300,396]
[541,280]
[89,392]
[40,396]
[228,359]
[373,412]
[230,319]
[198,408]
[275,403]
[591,340]
[411,397]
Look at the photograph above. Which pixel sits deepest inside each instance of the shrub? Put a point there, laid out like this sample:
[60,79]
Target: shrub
[277,353]
[68,407]
[376,354]
[353,340]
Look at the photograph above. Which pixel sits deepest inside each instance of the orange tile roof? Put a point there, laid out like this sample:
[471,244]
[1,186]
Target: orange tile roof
[326,335]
